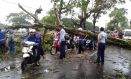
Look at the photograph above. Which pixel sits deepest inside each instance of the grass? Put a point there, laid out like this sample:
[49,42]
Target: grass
[18,49]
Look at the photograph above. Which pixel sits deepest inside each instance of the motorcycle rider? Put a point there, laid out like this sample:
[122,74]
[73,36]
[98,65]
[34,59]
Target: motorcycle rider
[32,37]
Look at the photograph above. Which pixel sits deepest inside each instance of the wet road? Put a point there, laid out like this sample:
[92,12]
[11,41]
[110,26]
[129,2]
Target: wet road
[117,66]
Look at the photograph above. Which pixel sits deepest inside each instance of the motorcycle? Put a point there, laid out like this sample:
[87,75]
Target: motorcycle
[90,44]
[28,56]
[56,47]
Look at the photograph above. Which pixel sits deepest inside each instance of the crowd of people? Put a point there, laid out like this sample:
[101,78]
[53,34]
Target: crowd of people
[82,43]
[79,42]
[116,34]
[7,45]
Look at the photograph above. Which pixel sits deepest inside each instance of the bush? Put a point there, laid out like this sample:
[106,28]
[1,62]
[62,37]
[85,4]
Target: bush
[48,40]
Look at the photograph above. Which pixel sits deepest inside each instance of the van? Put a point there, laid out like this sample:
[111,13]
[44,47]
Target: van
[127,34]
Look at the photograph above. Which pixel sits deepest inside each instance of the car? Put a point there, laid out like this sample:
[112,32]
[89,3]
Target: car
[127,34]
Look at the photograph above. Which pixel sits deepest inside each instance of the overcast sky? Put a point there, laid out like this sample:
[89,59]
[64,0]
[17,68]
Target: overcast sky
[10,6]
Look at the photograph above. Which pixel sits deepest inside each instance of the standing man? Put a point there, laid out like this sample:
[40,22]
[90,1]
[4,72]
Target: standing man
[62,41]
[101,45]
[3,41]
[11,43]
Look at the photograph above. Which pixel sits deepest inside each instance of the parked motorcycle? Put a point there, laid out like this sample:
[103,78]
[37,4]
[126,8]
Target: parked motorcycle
[28,56]
[90,44]
[56,47]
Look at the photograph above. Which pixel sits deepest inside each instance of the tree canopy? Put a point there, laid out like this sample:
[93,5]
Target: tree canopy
[94,9]
[50,18]
[67,22]
[19,18]
[101,7]
[3,26]
[118,19]
[63,6]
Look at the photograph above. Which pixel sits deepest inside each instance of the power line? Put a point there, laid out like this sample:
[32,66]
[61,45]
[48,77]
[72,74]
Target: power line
[10,2]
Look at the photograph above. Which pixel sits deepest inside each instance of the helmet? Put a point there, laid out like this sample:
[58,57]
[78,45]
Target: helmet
[32,30]
[80,29]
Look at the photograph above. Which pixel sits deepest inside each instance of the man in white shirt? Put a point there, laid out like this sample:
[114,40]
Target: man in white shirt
[62,41]
[101,45]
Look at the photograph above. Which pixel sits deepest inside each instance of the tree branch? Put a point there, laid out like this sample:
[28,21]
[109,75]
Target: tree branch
[67,5]
[75,23]
[57,16]
[29,13]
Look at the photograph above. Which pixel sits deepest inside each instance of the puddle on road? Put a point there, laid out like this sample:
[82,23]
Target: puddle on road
[122,68]
[10,67]
[118,61]
[50,68]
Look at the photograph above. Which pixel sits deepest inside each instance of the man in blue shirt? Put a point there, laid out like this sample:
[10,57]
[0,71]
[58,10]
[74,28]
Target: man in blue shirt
[32,36]
[62,41]
[35,37]
[101,45]
[2,41]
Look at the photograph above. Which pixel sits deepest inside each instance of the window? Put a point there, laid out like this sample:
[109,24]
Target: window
[127,33]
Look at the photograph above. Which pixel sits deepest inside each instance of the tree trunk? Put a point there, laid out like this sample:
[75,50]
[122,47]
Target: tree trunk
[94,22]
[81,22]
[110,41]
[84,24]
[57,16]
[60,8]
[94,25]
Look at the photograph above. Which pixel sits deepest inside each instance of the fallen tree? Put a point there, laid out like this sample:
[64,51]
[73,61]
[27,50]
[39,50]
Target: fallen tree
[110,41]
